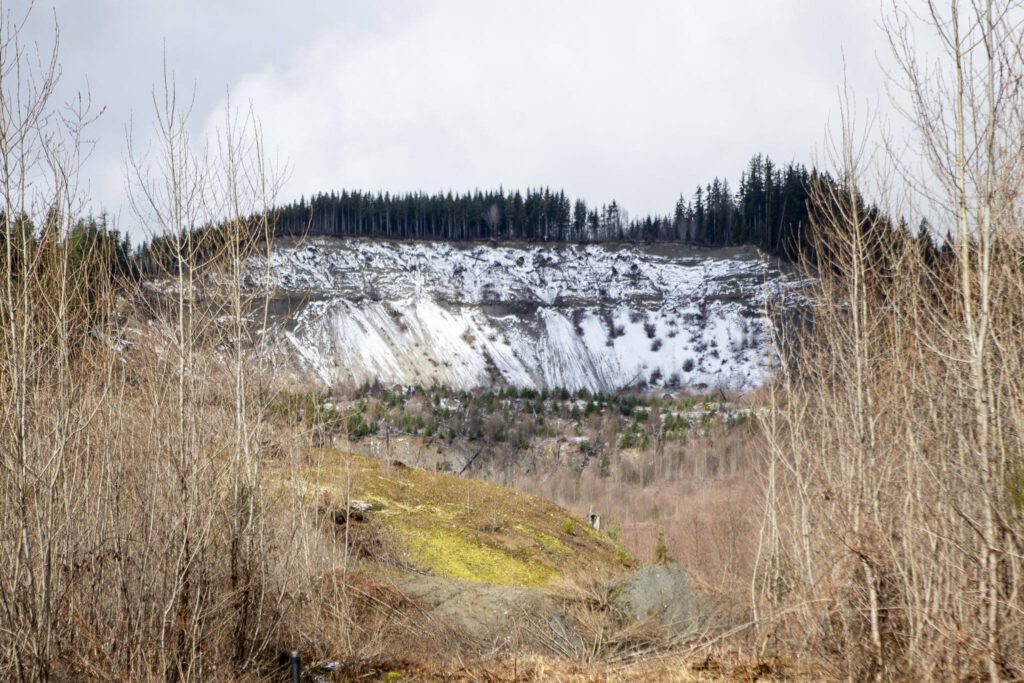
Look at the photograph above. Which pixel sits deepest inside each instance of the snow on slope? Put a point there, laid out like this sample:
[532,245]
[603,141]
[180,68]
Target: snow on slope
[595,317]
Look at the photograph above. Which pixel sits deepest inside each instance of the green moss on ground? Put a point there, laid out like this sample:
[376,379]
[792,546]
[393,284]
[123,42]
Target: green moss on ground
[467,529]
[458,555]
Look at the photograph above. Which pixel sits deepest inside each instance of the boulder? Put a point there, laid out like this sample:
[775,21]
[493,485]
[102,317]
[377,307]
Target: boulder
[661,593]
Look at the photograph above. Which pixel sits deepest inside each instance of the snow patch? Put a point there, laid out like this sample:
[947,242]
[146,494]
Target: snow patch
[575,316]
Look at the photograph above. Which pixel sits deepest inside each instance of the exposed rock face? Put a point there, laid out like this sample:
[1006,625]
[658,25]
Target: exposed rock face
[467,316]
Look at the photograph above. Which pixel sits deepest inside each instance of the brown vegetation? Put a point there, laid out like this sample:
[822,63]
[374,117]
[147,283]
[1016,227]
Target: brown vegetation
[892,532]
[699,494]
[137,542]
[153,528]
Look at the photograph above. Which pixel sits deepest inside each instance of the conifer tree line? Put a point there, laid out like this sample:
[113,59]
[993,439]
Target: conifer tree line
[769,209]
[91,243]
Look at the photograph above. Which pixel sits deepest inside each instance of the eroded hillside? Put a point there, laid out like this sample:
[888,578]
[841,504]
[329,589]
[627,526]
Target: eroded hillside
[594,317]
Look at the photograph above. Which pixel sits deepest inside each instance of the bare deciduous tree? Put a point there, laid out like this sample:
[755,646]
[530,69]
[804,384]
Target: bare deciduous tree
[893,519]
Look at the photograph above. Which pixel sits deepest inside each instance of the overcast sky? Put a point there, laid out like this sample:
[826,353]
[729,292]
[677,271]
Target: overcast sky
[636,101]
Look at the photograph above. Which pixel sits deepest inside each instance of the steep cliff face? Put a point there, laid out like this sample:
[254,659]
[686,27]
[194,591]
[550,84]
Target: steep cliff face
[468,316]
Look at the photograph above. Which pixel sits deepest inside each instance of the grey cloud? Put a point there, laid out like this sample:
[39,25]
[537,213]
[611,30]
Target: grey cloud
[634,101]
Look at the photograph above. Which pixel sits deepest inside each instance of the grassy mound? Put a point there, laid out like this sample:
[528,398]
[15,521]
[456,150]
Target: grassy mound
[467,529]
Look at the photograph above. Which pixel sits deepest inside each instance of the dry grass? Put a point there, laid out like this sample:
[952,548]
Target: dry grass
[673,668]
